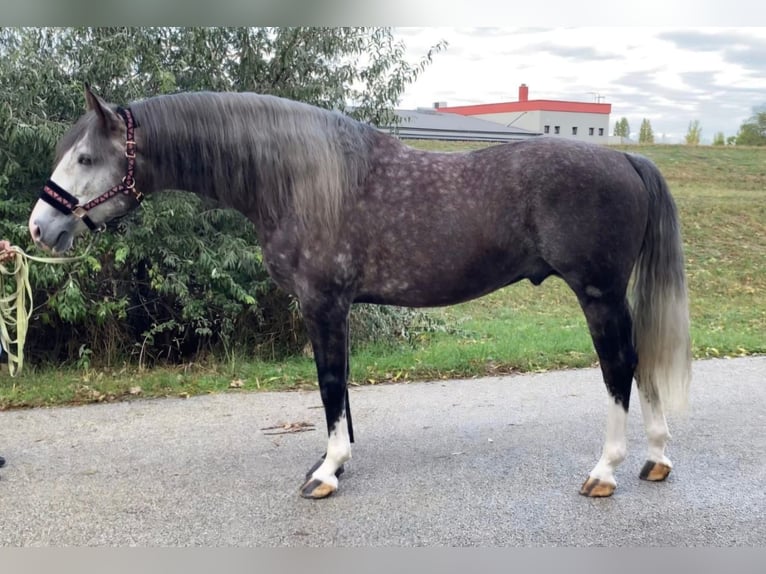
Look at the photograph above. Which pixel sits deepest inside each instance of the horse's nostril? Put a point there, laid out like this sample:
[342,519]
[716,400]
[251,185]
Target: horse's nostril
[35,231]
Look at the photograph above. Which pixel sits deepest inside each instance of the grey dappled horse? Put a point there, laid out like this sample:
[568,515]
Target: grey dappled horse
[345,214]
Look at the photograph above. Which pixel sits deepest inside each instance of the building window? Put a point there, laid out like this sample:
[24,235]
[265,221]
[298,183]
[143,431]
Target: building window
[547,129]
[590,131]
[574,131]
[556,129]
[600,131]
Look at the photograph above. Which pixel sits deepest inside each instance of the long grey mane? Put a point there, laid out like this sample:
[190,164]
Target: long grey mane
[264,155]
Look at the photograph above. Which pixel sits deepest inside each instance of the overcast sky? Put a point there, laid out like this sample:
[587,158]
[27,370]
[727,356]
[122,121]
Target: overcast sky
[669,75]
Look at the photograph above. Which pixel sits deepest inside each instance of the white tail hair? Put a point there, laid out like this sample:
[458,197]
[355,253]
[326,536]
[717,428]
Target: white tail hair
[660,301]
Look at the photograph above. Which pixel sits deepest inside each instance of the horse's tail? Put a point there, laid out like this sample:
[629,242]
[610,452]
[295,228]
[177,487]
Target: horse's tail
[660,302]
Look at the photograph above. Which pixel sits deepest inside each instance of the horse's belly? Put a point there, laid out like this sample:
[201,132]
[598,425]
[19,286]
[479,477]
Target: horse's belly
[444,282]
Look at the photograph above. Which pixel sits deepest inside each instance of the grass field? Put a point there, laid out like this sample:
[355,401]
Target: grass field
[721,196]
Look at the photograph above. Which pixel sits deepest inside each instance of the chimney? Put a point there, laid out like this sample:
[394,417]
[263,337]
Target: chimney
[523,93]
[438,105]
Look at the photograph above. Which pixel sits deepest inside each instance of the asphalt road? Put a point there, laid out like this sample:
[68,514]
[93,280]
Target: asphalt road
[488,462]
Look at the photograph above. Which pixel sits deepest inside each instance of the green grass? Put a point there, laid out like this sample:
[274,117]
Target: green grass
[721,196]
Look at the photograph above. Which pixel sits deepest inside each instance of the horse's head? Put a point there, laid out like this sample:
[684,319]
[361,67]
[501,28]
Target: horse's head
[93,178]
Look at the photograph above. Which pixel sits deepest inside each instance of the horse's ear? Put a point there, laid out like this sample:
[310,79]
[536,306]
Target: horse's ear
[107,118]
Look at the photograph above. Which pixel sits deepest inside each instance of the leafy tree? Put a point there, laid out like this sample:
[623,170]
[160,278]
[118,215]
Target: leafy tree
[753,131]
[694,133]
[172,286]
[622,128]
[645,133]
[719,139]
[731,140]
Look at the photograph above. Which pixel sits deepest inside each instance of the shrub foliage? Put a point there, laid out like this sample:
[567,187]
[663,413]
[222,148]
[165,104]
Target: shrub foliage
[182,278]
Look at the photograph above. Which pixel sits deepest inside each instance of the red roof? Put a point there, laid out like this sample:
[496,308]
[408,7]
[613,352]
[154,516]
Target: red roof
[530,106]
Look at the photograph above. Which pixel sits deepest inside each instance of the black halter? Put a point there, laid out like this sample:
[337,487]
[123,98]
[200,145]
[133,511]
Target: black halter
[68,204]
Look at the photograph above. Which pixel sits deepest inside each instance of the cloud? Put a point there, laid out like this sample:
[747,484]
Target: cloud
[703,81]
[698,41]
[740,47]
[752,57]
[586,53]
[495,32]
[672,76]
[579,53]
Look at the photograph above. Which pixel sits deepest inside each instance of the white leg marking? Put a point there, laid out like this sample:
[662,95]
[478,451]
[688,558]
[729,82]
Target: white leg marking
[615,445]
[656,429]
[338,452]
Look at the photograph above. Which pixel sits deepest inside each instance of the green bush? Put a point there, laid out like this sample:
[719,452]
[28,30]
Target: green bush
[181,278]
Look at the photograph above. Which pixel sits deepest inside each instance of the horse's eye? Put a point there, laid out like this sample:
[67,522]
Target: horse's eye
[84,160]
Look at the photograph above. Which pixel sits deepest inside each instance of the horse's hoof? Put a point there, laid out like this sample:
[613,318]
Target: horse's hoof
[595,488]
[2,462]
[316,489]
[654,471]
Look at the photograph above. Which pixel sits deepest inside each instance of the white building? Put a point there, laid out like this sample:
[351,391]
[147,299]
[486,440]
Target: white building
[431,124]
[584,121]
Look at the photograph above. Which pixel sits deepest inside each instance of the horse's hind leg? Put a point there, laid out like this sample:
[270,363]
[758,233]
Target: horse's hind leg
[657,467]
[611,330]
[327,325]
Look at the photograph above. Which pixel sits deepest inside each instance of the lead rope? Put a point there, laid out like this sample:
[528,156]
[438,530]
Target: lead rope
[16,308]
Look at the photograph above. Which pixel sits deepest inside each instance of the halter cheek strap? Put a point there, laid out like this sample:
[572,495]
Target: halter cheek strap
[66,203]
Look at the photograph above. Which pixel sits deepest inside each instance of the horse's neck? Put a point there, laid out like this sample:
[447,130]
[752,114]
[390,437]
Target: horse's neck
[184,159]
[291,165]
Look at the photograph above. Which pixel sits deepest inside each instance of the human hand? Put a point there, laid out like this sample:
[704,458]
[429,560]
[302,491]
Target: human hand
[5,250]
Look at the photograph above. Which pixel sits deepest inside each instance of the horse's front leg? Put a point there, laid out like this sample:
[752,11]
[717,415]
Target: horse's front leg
[327,326]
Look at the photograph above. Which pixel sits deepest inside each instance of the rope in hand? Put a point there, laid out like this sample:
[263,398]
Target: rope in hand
[16,307]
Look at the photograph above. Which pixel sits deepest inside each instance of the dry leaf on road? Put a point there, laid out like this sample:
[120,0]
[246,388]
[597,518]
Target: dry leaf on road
[289,428]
